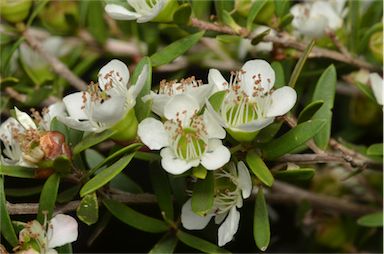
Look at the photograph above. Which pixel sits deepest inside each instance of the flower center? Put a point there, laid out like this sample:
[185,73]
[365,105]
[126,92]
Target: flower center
[189,140]
[227,190]
[241,106]
[174,87]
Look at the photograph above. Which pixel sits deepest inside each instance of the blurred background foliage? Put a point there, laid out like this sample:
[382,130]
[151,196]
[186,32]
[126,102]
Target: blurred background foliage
[83,37]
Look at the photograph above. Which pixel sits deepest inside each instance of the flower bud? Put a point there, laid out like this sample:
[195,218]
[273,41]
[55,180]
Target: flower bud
[34,155]
[376,45]
[242,136]
[14,10]
[53,144]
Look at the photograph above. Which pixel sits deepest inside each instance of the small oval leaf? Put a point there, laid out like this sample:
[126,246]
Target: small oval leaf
[307,113]
[48,198]
[302,174]
[7,229]
[203,194]
[198,243]
[261,230]
[371,220]
[258,167]
[88,210]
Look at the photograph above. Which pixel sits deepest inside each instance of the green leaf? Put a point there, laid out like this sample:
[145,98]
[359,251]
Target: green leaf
[127,149]
[281,7]
[198,243]
[353,24]
[307,113]
[226,38]
[292,139]
[166,244]
[258,167]
[261,231]
[160,185]
[217,99]
[228,20]
[266,134]
[300,64]
[279,74]
[200,172]
[17,171]
[142,110]
[366,90]
[286,20]
[36,11]
[124,183]
[62,165]
[201,9]
[65,249]
[203,195]
[259,37]
[88,210]
[255,9]
[95,22]
[106,175]
[175,49]
[48,198]
[91,140]
[302,174]
[23,192]
[133,218]
[371,220]
[7,229]
[221,6]
[93,158]
[375,150]
[69,194]
[325,91]
[6,55]
[183,14]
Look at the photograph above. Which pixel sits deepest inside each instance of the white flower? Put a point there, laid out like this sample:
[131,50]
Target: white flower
[250,103]
[167,90]
[377,86]
[315,17]
[186,138]
[18,134]
[141,10]
[229,198]
[105,103]
[60,230]
[246,45]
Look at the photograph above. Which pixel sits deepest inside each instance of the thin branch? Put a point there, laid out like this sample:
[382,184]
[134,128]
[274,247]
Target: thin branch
[289,194]
[287,41]
[310,158]
[57,66]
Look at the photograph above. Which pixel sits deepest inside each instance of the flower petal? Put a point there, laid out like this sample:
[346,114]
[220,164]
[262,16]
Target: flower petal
[74,105]
[158,102]
[136,89]
[283,99]
[192,221]
[79,125]
[254,125]
[215,115]
[24,119]
[214,129]
[229,227]
[172,164]
[62,229]
[54,110]
[120,13]
[116,72]
[152,133]
[200,93]
[110,111]
[244,178]
[216,155]
[259,70]
[377,87]
[325,9]
[181,107]
[215,78]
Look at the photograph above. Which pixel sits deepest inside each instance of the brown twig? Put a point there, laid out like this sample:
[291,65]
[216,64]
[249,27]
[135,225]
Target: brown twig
[57,66]
[310,158]
[287,41]
[289,194]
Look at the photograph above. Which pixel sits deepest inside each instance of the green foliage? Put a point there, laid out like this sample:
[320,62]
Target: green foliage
[203,195]
[198,243]
[160,185]
[88,209]
[6,224]
[48,198]
[261,231]
[166,244]
[258,167]
[371,220]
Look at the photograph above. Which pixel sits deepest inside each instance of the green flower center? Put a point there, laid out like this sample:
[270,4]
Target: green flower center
[190,145]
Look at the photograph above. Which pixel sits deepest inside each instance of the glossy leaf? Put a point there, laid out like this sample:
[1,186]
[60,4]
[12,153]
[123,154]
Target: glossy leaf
[183,14]
[23,192]
[124,183]
[203,194]
[48,198]
[95,22]
[106,175]
[365,90]
[217,99]
[300,64]
[307,113]
[143,109]
[258,167]
[198,243]
[7,229]
[255,9]
[65,249]
[69,194]
[325,91]
[279,74]
[17,171]
[281,7]
[292,139]
[91,140]
[88,209]
[261,230]
[371,220]
[175,49]
[166,244]
[302,174]
[375,149]
[259,37]
[133,218]
[160,185]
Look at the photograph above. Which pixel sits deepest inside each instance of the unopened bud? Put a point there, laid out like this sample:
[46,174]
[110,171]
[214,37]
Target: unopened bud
[53,144]
[15,10]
